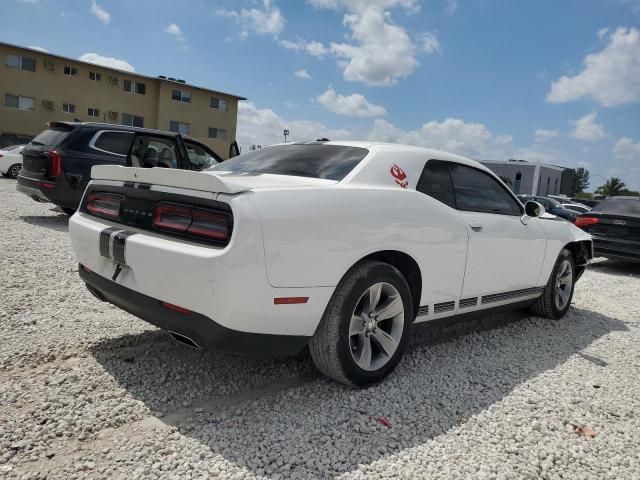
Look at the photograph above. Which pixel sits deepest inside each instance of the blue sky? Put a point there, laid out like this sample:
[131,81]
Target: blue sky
[551,80]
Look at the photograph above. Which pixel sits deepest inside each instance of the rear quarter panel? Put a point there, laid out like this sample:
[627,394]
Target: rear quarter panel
[313,236]
[559,233]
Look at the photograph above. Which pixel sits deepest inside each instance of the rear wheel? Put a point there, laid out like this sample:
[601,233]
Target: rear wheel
[14,170]
[364,330]
[556,298]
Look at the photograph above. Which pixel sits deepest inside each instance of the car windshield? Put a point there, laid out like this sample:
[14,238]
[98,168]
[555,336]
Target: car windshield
[51,136]
[619,206]
[331,162]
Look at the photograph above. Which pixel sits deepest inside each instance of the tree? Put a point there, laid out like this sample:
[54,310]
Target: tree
[581,179]
[611,188]
[506,180]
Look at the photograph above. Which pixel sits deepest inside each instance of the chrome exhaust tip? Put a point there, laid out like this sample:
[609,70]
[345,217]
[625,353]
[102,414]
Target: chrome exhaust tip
[184,340]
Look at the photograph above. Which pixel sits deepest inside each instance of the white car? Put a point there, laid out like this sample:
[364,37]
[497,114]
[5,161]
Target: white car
[340,246]
[11,160]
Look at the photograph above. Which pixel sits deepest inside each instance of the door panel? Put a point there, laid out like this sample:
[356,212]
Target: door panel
[503,254]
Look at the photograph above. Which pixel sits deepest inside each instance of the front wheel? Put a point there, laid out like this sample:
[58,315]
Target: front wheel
[14,170]
[556,298]
[364,330]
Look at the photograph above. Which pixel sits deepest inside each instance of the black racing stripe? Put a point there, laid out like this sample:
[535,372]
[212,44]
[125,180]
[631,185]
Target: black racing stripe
[119,246]
[129,184]
[144,186]
[105,235]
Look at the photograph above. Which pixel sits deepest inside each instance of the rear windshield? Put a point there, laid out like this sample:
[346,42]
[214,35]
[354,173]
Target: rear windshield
[51,136]
[619,206]
[331,162]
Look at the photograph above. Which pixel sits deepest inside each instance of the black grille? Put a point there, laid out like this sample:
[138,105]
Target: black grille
[444,307]
[468,302]
[424,310]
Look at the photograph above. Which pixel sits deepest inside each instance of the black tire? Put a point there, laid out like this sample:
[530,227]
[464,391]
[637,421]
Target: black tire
[68,211]
[330,346]
[14,170]
[547,305]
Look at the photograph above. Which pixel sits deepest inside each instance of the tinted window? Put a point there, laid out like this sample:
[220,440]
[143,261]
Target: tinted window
[150,152]
[477,191]
[619,206]
[332,162]
[51,136]
[114,142]
[435,181]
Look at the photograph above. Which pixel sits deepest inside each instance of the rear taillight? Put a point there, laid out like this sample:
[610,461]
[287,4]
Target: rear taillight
[199,222]
[586,221]
[55,165]
[104,205]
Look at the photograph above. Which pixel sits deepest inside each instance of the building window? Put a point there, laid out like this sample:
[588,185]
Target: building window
[93,112]
[181,96]
[96,77]
[516,187]
[68,108]
[548,180]
[134,87]
[132,120]
[219,104]
[555,188]
[70,71]
[219,133]
[21,103]
[22,63]
[179,127]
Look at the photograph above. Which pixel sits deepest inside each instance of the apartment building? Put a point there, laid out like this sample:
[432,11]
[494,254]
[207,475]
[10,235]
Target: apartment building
[38,87]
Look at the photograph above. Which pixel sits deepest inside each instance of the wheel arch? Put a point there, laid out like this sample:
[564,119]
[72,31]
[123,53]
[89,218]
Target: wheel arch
[582,252]
[407,266]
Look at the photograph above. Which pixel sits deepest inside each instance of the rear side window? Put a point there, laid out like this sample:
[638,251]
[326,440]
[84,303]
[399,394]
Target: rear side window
[51,136]
[115,143]
[435,181]
[619,206]
[476,191]
[331,162]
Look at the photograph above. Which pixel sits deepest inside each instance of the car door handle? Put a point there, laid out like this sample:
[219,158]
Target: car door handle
[475,226]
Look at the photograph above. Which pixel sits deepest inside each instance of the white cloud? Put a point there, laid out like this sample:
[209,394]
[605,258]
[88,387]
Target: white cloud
[586,128]
[302,74]
[452,135]
[354,105]
[542,135]
[265,20]
[451,7]
[313,48]
[107,62]
[258,126]
[430,43]
[174,30]
[40,49]
[603,32]
[100,13]
[611,77]
[627,149]
[377,51]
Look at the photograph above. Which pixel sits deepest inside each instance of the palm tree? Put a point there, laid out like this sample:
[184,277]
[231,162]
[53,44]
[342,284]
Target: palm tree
[611,188]
[506,180]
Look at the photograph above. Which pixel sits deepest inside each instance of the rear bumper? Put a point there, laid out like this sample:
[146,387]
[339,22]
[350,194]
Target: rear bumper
[616,248]
[42,190]
[205,332]
[31,189]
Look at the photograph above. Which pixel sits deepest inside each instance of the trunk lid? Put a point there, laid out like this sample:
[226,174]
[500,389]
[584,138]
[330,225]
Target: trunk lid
[36,161]
[208,181]
[618,226]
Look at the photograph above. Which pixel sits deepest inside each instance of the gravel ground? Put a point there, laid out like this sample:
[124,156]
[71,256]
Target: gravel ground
[88,391]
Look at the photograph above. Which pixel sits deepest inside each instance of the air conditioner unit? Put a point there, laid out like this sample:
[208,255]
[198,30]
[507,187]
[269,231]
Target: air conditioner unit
[113,115]
[48,104]
[114,80]
[49,65]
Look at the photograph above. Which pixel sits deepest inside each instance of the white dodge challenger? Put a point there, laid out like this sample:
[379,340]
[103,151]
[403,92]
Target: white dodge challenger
[338,246]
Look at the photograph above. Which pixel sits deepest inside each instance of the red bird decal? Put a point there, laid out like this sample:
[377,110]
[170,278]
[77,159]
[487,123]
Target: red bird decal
[400,177]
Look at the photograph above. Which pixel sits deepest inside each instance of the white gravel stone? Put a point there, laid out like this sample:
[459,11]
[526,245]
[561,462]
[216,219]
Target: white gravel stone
[89,391]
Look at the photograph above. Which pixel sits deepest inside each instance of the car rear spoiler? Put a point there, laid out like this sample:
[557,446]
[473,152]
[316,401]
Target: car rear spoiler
[207,182]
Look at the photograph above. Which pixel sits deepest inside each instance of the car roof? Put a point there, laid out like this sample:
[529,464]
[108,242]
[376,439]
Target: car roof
[124,128]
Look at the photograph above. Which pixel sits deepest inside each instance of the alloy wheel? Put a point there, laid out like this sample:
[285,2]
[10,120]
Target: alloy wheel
[564,284]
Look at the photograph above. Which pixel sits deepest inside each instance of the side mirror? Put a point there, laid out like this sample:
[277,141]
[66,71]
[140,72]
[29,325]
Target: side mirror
[532,210]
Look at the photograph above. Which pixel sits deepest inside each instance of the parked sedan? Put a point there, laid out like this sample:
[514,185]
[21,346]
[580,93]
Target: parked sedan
[11,160]
[614,225]
[340,246]
[576,207]
[553,207]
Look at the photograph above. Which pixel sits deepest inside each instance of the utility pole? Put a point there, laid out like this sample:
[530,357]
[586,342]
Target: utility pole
[286,134]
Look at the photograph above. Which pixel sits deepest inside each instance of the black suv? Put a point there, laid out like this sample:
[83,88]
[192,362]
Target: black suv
[56,165]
